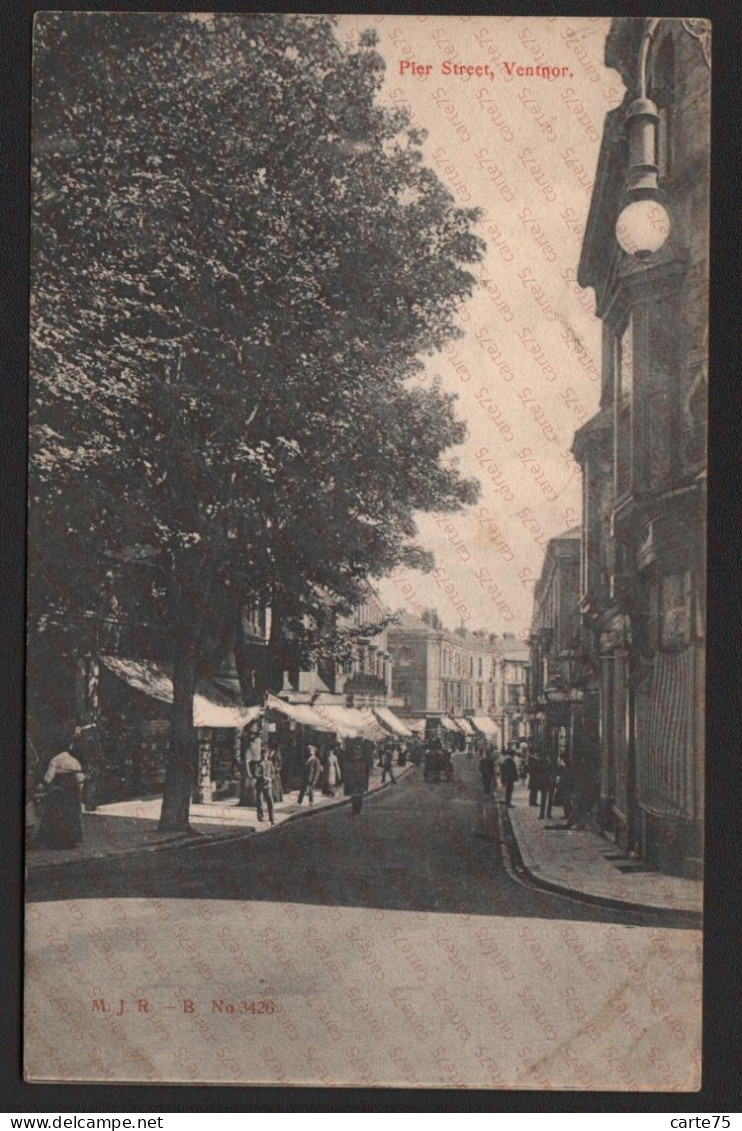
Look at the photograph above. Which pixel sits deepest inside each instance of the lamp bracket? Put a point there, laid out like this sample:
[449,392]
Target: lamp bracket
[700,29]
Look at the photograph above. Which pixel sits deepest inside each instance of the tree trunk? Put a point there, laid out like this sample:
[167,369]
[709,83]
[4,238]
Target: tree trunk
[189,599]
[183,755]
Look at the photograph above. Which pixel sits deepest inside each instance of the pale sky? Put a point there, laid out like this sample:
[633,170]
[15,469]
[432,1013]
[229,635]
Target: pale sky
[527,373]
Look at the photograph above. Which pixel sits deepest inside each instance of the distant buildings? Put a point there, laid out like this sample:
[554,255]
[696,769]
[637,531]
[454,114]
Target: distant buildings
[461,673]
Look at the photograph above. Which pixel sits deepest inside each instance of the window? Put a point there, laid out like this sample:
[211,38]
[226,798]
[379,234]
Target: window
[624,377]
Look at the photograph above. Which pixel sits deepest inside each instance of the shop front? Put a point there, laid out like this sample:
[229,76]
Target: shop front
[134,725]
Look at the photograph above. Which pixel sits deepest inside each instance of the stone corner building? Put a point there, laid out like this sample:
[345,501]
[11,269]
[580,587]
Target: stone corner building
[643,458]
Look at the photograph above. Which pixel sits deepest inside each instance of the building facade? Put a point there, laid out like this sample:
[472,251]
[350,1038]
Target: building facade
[564,699]
[365,676]
[460,673]
[643,455]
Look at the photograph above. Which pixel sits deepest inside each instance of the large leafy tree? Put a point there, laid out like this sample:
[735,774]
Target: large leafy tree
[239,258]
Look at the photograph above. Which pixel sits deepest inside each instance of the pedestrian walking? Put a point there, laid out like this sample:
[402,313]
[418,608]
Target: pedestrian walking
[387,763]
[312,769]
[535,778]
[487,771]
[355,776]
[508,776]
[61,819]
[324,777]
[564,789]
[330,772]
[548,786]
[260,770]
[276,760]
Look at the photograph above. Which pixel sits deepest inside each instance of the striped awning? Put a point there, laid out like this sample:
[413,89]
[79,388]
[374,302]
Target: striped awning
[210,707]
[300,713]
[389,720]
[449,723]
[347,722]
[416,726]
[486,725]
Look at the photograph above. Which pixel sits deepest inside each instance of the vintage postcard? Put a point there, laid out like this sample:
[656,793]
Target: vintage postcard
[366,592]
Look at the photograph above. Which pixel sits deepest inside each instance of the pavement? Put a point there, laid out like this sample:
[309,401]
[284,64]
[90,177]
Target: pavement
[581,863]
[389,949]
[128,828]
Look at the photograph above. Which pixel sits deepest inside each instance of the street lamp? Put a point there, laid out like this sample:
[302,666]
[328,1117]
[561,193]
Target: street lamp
[643,224]
[578,668]
[556,693]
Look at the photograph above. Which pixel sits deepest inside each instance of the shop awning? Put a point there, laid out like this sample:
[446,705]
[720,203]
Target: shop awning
[417,726]
[210,708]
[366,721]
[466,725]
[485,725]
[345,721]
[449,723]
[389,720]
[207,713]
[300,713]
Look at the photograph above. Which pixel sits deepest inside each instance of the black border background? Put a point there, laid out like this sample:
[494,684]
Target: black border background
[722,1059]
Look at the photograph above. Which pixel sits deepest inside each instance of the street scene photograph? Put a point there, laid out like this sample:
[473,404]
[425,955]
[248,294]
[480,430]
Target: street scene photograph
[366,578]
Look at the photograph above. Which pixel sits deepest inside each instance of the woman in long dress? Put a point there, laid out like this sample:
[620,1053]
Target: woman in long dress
[335,777]
[276,784]
[61,820]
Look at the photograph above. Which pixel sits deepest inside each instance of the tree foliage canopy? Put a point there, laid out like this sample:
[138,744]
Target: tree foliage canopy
[239,257]
[238,261]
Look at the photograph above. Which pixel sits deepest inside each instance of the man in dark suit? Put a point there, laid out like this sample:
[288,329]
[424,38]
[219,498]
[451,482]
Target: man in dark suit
[509,776]
[535,778]
[312,769]
[261,771]
[548,785]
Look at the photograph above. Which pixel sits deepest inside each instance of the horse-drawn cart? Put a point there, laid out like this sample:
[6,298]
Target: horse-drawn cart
[437,764]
